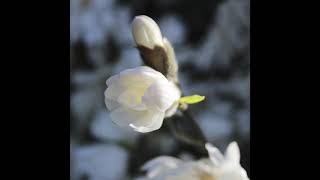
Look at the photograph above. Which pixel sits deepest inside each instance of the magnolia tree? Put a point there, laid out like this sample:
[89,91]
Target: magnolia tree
[143,97]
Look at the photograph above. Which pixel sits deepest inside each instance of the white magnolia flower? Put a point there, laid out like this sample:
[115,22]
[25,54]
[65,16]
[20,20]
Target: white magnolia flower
[216,167]
[140,98]
[146,32]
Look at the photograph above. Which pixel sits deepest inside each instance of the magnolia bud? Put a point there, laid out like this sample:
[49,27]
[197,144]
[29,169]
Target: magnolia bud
[146,32]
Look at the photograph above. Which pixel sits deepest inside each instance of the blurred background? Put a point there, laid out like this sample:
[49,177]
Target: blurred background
[212,44]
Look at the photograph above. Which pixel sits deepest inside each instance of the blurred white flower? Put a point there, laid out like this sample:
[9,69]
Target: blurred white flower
[139,98]
[216,167]
[227,167]
[146,32]
[100,161]
[91,21]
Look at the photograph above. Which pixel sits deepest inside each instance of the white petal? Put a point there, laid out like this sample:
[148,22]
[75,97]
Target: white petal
[111,104]
[112,79]
[172,109]
[233,153]
[160,164]
[243,174]
[160,96]
[231,172]
[146,32]
[185,171]
[141,121]
[114,90]
[215,155]
[166,161]
[132,98]
[155,125]
[141,75]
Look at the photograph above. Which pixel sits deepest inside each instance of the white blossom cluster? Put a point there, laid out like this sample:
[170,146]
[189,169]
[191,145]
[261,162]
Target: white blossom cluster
[216,167]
